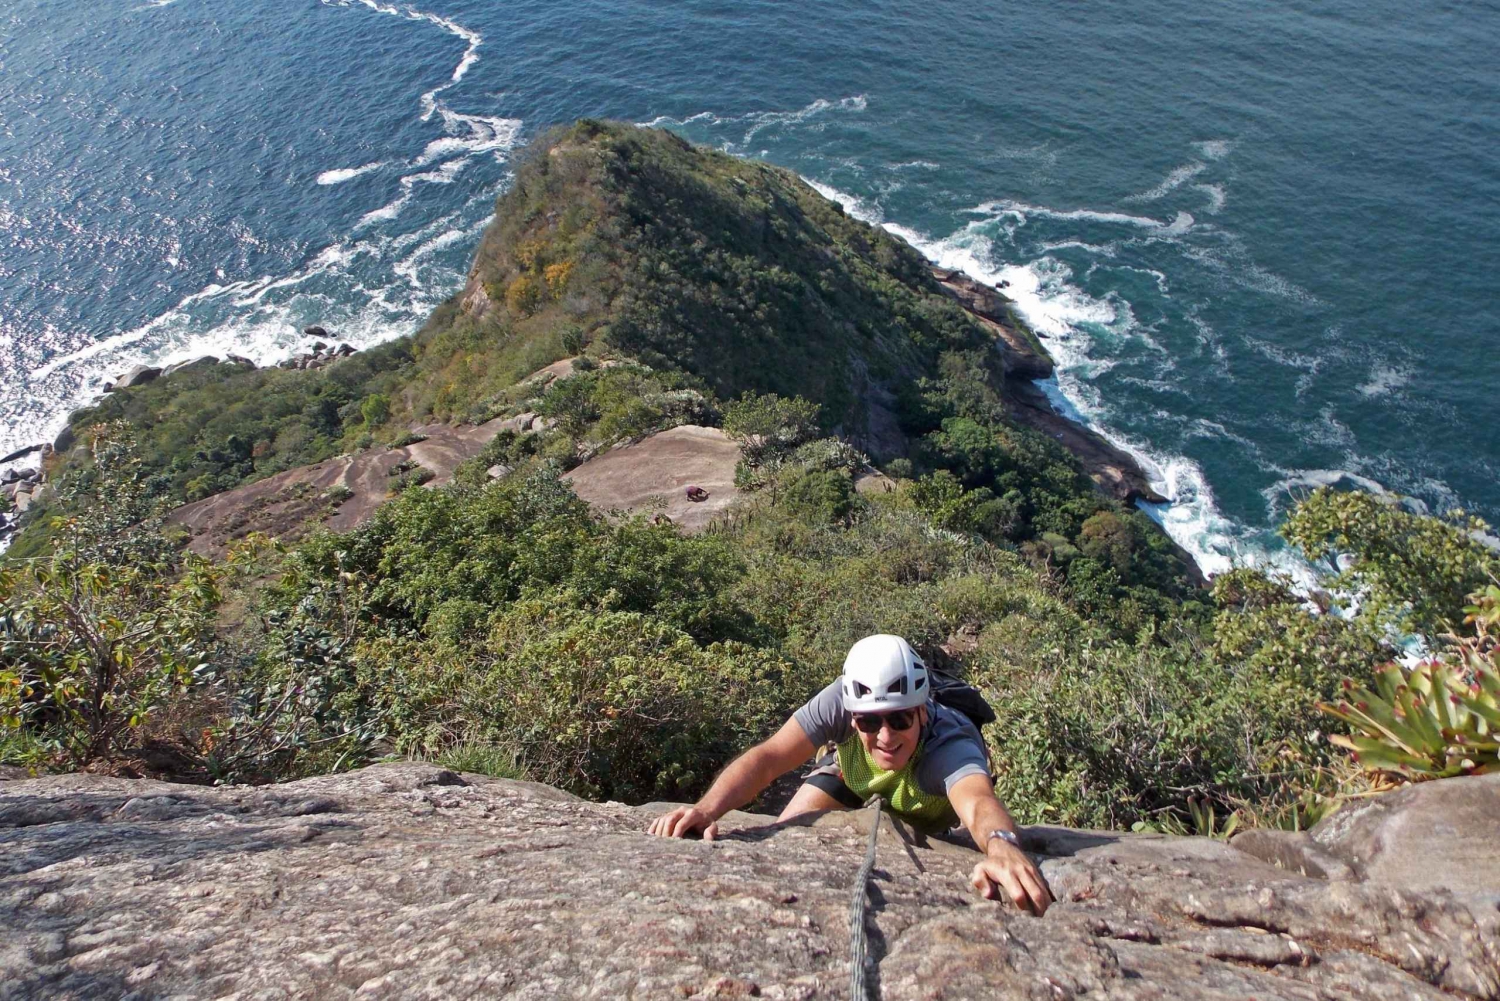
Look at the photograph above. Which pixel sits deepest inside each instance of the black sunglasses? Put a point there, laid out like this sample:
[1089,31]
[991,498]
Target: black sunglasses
[901,719]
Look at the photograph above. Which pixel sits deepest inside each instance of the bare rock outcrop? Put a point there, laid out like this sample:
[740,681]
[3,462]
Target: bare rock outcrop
[1022,358]
[652,476]
[340,493]
[1419,837]
[408,881]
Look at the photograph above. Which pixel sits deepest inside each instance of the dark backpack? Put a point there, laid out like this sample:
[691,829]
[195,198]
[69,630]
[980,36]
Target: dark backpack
[954,693]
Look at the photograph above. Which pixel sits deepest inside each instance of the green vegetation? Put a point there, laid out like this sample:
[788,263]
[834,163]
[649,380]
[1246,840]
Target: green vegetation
[1438,719]
[499,625]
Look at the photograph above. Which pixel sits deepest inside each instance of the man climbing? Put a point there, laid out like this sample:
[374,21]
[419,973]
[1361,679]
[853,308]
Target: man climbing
[925,759]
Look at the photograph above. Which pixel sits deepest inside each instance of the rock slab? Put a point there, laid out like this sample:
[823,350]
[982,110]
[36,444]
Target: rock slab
[651,476]
[408,881]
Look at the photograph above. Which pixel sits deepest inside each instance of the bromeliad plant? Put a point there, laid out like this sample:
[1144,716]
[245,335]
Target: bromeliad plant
[1436,720]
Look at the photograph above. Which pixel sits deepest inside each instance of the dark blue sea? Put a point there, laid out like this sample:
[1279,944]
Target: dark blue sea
[1262,239]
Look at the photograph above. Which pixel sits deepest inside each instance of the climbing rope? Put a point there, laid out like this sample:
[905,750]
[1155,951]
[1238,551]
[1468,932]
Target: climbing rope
[858,944]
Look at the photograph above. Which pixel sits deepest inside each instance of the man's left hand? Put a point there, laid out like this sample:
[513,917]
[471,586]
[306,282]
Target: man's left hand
[1010,872]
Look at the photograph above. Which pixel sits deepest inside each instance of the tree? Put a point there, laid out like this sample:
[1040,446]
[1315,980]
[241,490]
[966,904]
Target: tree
[769,427]
[101,633]
[376,409]
[1411,571]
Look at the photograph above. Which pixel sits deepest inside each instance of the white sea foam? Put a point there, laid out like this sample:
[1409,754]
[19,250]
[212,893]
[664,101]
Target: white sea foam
[755,122]
[385,213]
[1171,182]
[766,119]
[407,266]
[1101,250]
[1383,379]
[1021,211]
[1233,263]
[1216,197]
[1214,149]
[1064,315]
[260,318]
[347,173]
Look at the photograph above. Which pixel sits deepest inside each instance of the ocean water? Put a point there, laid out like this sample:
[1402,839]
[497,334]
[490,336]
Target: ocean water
[1263,241]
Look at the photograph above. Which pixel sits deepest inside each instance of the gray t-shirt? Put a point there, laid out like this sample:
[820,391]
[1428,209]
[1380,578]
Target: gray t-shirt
[951,746]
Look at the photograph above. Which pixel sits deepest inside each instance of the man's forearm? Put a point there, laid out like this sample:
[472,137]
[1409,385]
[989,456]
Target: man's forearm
[981,813]
[739,783]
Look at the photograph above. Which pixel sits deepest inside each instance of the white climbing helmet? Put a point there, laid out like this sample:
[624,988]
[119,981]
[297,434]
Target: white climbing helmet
[881,674]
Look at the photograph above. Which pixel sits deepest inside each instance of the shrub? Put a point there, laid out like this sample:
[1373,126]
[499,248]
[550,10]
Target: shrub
[821,497]
[100,635]
[621,706]
[1107,736]
[768,427]
[92,651]
[376,409]
[524,294]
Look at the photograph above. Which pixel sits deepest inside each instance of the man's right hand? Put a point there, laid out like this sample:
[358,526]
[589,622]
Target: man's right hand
[684,820]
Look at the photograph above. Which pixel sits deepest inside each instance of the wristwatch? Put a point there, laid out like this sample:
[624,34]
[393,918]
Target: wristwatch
[1006,836]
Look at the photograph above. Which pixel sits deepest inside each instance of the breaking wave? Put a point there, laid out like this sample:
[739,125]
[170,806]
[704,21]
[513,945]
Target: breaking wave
[347,173]
[376,282]
[1071,322]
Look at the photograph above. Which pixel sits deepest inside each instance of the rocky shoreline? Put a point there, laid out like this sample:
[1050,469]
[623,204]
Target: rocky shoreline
[21,487]
[1026,361]
[1114,471]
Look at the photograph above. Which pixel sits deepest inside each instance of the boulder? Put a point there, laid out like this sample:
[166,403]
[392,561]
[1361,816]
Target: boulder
[313,330]
[343,350]
[138,376]
[202,360]
[22,500]
[406,880]
[9,476]
[873,481]
[1431,835]
[29,473]
[319,347]
[239,360]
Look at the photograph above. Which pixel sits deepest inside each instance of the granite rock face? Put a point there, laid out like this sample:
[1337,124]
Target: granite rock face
[1417,837]
[407,881]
